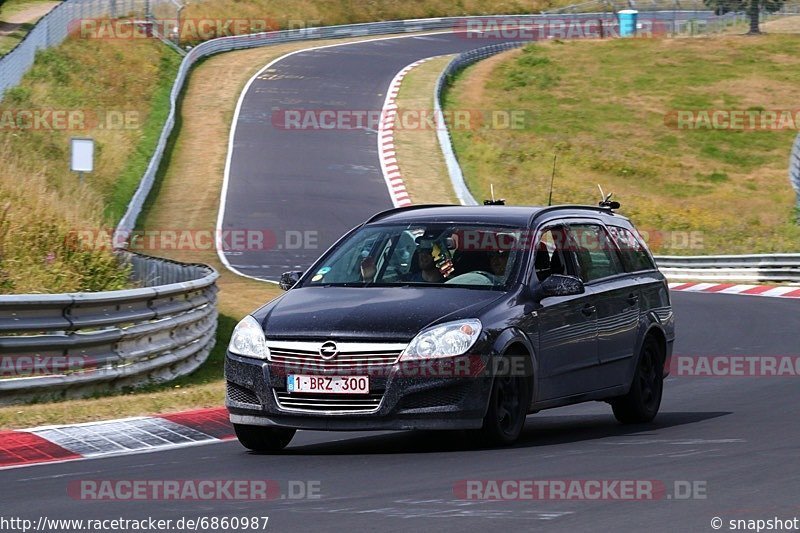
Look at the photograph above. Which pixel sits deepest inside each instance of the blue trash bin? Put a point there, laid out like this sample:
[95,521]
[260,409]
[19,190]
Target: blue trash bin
[627,22]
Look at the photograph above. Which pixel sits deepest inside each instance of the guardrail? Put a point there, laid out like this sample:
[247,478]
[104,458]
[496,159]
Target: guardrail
[746,268]
[66,345]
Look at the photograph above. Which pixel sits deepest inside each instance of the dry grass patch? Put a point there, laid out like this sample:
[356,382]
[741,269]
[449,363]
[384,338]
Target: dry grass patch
[783,24]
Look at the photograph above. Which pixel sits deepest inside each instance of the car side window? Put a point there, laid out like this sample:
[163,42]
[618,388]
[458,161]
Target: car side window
[552,255]
[596,253]
[634,254]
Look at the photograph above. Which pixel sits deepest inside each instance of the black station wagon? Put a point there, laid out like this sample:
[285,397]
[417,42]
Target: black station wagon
[456,317]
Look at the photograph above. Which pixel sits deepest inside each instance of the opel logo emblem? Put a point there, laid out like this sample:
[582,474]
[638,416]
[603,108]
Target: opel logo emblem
[328,350]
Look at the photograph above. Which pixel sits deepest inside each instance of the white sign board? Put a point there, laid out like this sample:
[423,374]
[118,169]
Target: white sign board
[81,155]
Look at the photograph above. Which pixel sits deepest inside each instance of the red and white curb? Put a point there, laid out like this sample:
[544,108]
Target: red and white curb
[48,444]
[386,148]
[774,291]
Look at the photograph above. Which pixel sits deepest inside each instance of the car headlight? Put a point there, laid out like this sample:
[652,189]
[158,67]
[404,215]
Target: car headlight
[248,339]
[444,340]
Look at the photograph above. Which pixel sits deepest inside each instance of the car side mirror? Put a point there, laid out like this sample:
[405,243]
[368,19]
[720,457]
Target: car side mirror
[559,285]
[289,279]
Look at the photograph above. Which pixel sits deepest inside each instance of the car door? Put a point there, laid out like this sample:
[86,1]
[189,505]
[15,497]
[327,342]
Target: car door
[565,327]
[615,295]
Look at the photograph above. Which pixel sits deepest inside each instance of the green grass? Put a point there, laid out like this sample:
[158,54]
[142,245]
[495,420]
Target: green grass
[604,108]
[137,161]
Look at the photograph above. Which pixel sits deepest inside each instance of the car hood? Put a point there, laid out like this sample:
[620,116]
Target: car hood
[379,313]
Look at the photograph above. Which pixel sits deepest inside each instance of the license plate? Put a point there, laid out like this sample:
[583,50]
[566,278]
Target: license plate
[328,384]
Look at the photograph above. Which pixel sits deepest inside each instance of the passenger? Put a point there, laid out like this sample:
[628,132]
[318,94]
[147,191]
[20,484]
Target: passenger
[427,273]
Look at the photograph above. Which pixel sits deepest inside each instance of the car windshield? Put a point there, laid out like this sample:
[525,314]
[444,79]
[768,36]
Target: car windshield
[444,255]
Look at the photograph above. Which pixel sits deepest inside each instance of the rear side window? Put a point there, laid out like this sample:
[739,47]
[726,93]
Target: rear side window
[634,254]
[597,255]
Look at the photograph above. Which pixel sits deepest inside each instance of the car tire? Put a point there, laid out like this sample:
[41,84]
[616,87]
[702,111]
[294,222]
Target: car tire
[263,439]
[508,407]
[642,402]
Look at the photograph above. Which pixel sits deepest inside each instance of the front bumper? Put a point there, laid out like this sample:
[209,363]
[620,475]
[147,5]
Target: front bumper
[404,399]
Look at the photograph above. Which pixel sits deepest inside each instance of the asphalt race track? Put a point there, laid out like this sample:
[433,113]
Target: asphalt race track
[736,438]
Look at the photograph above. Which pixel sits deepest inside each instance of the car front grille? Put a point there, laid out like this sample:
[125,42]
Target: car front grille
[350,354]
[329,403]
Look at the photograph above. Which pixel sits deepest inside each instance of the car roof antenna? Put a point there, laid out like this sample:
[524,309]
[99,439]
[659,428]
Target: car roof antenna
[501,201]
[605,200]
[552,178]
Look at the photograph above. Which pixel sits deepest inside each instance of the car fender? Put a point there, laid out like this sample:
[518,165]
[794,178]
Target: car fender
[509,337]
[651,323]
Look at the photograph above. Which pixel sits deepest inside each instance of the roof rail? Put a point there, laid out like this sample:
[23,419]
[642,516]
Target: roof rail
[381,214]
[551,208]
